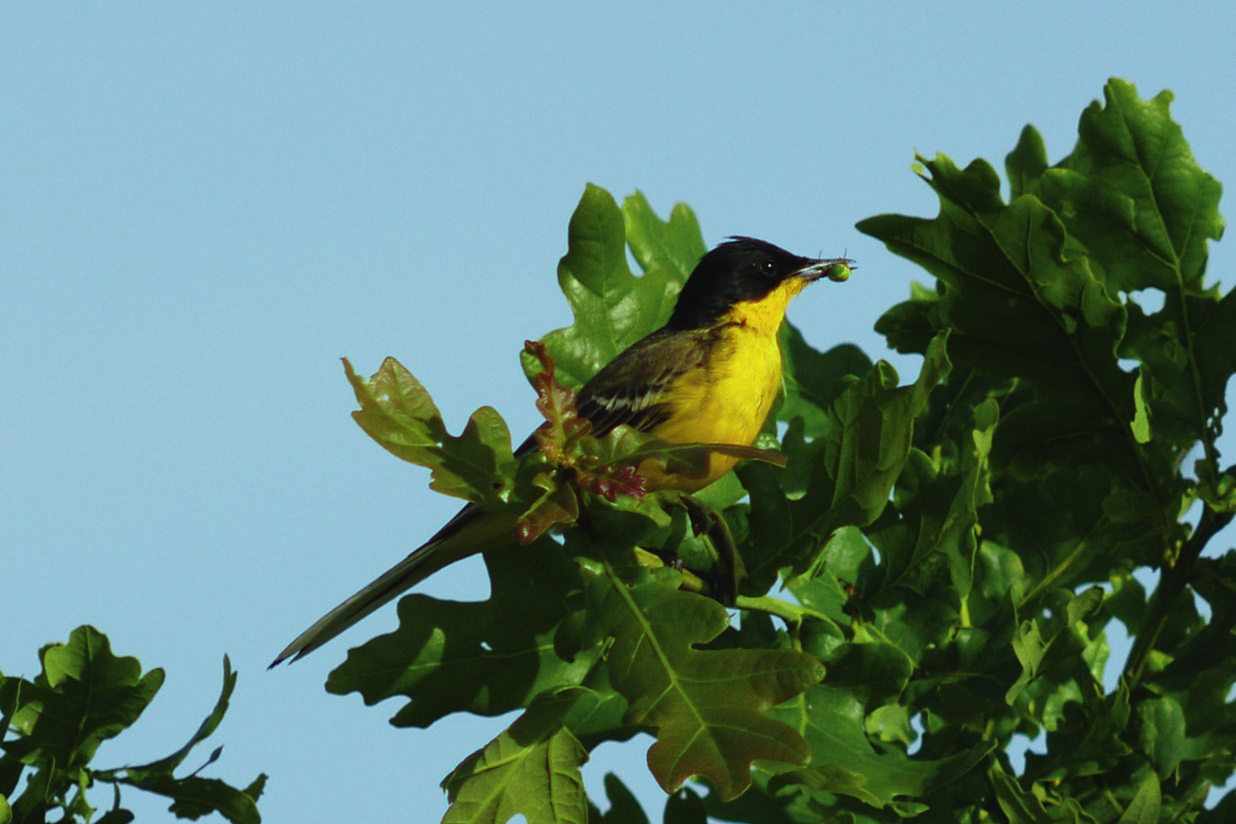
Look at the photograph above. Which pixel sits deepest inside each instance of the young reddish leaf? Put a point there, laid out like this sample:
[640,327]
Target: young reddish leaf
[563,427]
[564,439]
[613,481]
[559,506]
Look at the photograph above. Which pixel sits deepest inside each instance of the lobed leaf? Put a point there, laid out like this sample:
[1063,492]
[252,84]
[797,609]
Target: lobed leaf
[938,538]
[486,657]
[1019,806]
[624,808]
[204,731]
[845,760]
[532,768]
[1132,193]
[399,414]
[1041,646]
[707,706]
[612,307]
[83,696]
[194,797]
[933,521]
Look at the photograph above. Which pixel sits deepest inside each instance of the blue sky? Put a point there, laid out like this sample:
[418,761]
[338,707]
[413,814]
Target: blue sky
[204,206]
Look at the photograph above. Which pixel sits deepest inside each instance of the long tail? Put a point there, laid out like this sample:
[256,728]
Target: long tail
[469,532]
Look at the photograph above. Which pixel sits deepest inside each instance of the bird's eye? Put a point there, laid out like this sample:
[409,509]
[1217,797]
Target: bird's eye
[769,267]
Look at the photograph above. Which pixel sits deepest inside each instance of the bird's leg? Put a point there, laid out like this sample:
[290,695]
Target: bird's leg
[707,522]
[721,581]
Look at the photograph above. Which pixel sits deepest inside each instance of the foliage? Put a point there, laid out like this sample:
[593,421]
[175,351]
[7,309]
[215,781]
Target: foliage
[84,696]
[949,552]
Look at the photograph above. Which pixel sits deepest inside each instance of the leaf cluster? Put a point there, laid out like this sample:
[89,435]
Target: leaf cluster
[925,577]
[1090,362]
[593,635]
[84,696]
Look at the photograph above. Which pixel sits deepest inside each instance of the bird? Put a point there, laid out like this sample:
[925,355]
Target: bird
[711,374]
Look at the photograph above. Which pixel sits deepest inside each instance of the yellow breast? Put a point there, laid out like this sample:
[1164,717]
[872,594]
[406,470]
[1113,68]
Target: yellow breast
[728,398]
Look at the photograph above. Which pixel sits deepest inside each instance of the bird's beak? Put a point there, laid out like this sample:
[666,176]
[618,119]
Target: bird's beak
[835,269]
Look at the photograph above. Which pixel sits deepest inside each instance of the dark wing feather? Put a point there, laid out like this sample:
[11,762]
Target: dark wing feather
[630,389]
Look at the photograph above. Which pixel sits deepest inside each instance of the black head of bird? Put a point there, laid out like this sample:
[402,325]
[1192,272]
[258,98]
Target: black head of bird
[742,269]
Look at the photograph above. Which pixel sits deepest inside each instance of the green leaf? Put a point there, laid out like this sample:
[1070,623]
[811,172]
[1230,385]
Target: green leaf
[1026,164]
[846,558]
[1137,193]
[532,769]
[1017,304]
[204,731]
[624,808]
[938,541]
[1188,352]
[862,677]
[813,379]
[84,696]
[1042,291]
[116,816]
[1221,813]
[485,657]
[1134,195]
[851,470]
[1141,418]
[1162,733]
[1086,737]
[1020,806]
[1023,300]
[932,529]
[1145,806]
[193,797]
[685,807]
[910,327]
[399,414]
[1043,645]
[613,308]
[672,246]
[707,706]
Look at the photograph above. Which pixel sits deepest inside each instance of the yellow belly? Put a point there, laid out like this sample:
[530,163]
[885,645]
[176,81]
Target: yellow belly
[726,401]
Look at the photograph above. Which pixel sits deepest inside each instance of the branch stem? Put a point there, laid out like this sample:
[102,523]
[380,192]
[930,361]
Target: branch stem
[1169,590]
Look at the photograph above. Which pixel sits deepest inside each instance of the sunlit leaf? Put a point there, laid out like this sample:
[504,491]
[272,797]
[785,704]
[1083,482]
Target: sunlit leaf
[399,414]
[84,696]
[613,308]
[532,769]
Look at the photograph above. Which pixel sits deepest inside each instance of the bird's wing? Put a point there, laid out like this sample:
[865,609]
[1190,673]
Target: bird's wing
[631,389]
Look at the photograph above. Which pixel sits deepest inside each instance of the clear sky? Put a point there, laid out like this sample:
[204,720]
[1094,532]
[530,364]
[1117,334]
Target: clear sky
[203,206]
